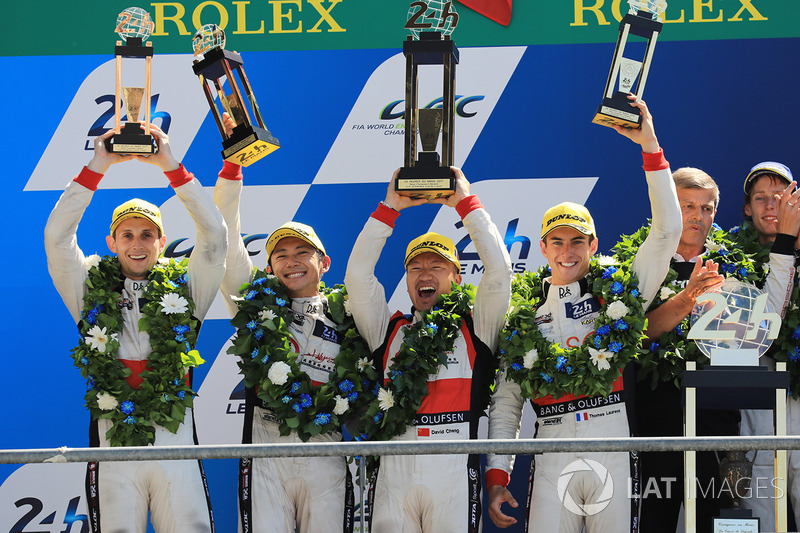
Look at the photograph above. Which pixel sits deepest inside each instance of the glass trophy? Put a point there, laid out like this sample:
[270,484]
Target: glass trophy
[628,76]
[134,26]
[247,143]
[425,173]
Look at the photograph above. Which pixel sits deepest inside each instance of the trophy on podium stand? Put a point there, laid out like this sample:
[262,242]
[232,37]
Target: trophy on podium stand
[247,143]
[734,326]
[426,174]
[134,26]
[641,20]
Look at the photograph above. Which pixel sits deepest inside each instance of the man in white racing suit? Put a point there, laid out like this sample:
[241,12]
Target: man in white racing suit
[438,493]
[568,316]
[121,493]
[312,494]
[770,205]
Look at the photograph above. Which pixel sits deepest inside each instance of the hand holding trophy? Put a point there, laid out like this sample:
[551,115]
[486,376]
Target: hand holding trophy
[247,143]
[134,26]
[425,174]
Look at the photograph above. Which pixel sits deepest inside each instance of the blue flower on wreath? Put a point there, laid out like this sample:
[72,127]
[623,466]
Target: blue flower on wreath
[180,328]
[654,347]
[796,333]
[516,366]
[322,419]
[280,301]
[297,408]
[177,382]
[743,272]
[180,338]
[794,354]
[258,334]
[182,279]
[728,268]
[295,387]
[353,396]
[305,400]
[395,374]
[269,291]
[171,284]
[252,325]
[635,293]
[259,281]
[361,437]
[546,377]
[735,230]
[165,397]
[598,341]
[346,385]
[569,370]
[264,359]
[617,288]
[513,334]
[615,346]
[84,361]
[433,327]
[723,252]
[609,272]
[716,226]
[377,418]
[286,399]
[678,329]
[561,363]
[90,383]
[620,325]
[91,316]
[250,295]
[130,420]
[127,407]
[603,330]
[254,353]
[181,394]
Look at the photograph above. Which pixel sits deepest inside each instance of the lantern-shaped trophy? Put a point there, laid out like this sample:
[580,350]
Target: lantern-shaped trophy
[641,20]
[247,143]
[134,26]
[424,173]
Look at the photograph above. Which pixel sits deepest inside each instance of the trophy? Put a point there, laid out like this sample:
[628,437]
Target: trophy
[641,20]
[424,173]
[134,26]
[734,326]
[247,143]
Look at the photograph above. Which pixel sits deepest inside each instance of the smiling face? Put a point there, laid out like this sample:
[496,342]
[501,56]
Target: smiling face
[763,207]
[137,245]
[298,266]
[427,276]
[568,253]
[697,212]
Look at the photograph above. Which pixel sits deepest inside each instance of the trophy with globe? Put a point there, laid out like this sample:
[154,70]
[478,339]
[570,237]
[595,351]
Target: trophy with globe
[426,174]
[134,26]
[642,21]
[734,326]
[247,143]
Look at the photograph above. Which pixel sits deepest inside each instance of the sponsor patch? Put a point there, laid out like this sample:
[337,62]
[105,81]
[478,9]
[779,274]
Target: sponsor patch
[581,309]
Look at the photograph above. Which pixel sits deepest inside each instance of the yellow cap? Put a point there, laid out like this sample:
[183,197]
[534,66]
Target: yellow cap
[294,229]
[136,208]
[433,242]
[568,214]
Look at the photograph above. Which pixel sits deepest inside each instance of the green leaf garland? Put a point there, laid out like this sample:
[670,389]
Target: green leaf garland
[164,395]
[542,367]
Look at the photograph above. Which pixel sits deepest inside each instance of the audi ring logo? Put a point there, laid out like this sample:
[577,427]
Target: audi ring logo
[588,466]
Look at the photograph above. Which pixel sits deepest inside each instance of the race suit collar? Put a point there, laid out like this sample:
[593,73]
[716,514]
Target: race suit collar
[583,285]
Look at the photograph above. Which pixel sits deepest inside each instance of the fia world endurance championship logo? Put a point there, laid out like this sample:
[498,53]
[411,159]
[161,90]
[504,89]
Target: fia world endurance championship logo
[580,468]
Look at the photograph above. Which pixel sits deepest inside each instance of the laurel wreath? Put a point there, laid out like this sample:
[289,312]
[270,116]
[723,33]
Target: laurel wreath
[270,365]
[423,351]
[665,358]
[164,394]
[542,367]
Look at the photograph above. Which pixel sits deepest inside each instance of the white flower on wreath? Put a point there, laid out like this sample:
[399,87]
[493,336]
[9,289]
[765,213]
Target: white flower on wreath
[530,358]
[163,260]
[364,363]
[97,338]
[385,399]
[266,314]
[347,307]
[342,405]
[173,303]
[665,293]
[606,260]
[600,358]
[106,402]
[617,310]
[91,261]
[765,266]
[712,246]
[279,373]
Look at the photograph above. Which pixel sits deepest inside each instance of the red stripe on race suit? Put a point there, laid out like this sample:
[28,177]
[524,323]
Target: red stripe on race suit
[549,400]
[446,396]
[136,368]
